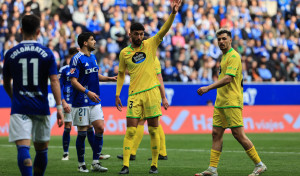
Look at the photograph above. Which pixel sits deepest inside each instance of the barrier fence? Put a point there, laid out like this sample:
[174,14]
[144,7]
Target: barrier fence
[190,120]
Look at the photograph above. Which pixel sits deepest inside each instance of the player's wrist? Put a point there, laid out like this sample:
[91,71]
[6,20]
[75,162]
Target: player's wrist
[86,91]
[59,107]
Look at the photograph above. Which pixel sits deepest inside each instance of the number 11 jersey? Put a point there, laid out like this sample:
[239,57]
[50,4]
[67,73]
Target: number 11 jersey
[29,64]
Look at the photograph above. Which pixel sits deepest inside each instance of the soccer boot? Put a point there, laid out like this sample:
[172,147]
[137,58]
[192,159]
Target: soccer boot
[207,172]
[82,168]
[160,157]
[124,170]
[153,170]
[258,170]
[132,157]
[98,168]
[104,156]
[65,157]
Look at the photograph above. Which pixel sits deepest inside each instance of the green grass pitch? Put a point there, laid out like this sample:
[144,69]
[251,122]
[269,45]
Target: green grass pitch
[187,154]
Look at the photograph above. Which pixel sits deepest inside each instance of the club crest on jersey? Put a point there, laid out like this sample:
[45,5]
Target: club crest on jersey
[72,71]
[138,57]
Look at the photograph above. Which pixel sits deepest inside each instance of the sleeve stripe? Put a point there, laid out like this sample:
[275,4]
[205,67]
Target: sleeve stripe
[75,59]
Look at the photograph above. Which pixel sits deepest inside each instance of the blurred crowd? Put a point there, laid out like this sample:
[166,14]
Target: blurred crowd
[264,32]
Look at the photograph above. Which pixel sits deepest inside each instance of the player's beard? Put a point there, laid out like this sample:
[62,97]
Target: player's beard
[137,42]
[91,49]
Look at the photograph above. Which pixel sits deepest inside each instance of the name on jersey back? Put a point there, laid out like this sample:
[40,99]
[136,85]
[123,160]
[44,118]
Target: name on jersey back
[29,48]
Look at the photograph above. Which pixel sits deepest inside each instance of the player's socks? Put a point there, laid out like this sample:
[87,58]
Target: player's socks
[24,160]
[40,162]
[80,145]
[155,144]
[127,144]
[214,158]
[91,136]
[253,155]
[163,150]
[66,139]
[137,139]
[97,146]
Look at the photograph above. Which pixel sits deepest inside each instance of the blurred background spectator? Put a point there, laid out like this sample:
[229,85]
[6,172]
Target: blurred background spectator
[264,32]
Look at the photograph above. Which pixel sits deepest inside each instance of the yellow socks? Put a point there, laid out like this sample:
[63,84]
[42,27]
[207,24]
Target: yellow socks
[137,139]
[253,155]
[163,150]
[155,144]
[214,158]
[127,144]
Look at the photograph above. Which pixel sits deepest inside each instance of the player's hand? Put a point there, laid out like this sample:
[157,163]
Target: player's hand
[60,118]
[66,107]
[114,79]
[202,90]
[175,4]
[119,103]
[94,97]
[165,103]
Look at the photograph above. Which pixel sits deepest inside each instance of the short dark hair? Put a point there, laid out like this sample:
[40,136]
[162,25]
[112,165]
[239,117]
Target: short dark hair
[72,51]
[30,24]
[136,27]
[223,31]
[84,37]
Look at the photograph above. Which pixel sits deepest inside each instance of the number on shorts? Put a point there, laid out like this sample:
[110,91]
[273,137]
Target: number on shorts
[130,105]
[81,112]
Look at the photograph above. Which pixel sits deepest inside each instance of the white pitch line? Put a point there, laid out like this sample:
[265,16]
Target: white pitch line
[172,149]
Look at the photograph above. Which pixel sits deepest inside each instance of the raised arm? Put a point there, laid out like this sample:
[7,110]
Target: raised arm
[165,28]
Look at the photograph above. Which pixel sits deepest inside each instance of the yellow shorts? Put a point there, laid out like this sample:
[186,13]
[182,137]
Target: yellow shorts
[228,117]
[144,105]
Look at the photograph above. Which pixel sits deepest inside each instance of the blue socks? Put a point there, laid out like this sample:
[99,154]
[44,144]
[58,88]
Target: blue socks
[97,147]
[23,154]
[66,139]
[40,162]
[91,136]
[80,145]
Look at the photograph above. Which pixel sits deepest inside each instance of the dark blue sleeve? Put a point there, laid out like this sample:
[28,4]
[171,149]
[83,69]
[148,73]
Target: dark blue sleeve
[52,64]
[6,67]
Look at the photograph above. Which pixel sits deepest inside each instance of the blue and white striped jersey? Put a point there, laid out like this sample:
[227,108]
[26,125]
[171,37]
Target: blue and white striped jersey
[30,64]
[86,70]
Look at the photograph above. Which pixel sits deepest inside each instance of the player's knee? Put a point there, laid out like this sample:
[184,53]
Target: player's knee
[153,130]
[99,129]
[130,132]
[216,134]
[237,135]
[68,124]
[27,162]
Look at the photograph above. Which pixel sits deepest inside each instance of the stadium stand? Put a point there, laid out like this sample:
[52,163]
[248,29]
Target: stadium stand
[264,32]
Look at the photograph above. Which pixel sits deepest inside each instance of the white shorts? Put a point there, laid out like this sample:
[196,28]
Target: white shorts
[68,116]
[84,116]
[23,126]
